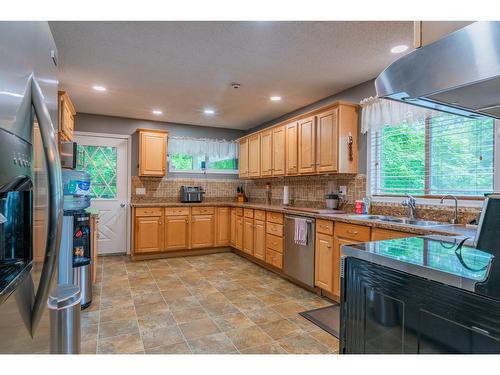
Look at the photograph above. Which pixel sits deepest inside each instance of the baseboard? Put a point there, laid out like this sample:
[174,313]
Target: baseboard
[180,253]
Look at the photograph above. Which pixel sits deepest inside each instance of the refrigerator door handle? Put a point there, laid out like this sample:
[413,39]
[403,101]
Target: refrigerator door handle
[55,203]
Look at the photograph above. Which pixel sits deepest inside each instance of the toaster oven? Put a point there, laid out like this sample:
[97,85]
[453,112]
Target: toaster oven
[191,194]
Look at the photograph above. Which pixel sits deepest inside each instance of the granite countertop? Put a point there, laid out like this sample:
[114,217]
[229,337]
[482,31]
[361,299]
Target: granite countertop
[446,229]
[435,258]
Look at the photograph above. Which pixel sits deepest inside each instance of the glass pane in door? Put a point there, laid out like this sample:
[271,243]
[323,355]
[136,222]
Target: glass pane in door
[100,163]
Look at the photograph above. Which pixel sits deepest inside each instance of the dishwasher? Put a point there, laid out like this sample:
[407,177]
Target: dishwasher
[299,259]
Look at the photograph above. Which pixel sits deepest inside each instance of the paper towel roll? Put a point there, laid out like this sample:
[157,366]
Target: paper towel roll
[286,196]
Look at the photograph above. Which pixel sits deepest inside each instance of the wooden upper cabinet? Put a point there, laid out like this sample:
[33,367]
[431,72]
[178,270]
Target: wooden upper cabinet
[202,231]
[66,117]
[176,232]
[327,141]
[291,148]
[223,227]
[148,234]
[266,153]
[307,145]
[243,158]
[278,151]
[347,138]
[254,155]
[152,153]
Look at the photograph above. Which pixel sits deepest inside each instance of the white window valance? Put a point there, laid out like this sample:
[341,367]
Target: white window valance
[378,113]
[215,149]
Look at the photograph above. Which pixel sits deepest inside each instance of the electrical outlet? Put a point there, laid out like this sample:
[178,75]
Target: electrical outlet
[343,190]
[140,191]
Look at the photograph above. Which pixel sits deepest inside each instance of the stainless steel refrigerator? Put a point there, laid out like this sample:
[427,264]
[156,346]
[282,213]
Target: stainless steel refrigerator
[30,184]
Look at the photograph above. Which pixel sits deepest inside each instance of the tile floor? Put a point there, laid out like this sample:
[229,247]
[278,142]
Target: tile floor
[219,303]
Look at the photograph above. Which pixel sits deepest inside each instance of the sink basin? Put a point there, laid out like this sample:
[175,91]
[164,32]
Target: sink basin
[400,220]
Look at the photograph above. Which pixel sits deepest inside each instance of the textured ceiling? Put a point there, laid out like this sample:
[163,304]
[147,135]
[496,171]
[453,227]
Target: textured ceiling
[183,67]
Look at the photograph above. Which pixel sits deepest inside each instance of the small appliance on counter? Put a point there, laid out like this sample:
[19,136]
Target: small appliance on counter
[191,194]
[332,201]
[75,258]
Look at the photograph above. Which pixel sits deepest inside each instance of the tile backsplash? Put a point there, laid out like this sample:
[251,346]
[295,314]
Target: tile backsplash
[168,189]
[305,191]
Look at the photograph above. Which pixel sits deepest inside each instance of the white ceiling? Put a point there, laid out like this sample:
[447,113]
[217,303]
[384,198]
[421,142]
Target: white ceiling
[183,67]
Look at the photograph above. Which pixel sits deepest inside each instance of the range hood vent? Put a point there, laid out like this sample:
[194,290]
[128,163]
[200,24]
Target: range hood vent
[458,74]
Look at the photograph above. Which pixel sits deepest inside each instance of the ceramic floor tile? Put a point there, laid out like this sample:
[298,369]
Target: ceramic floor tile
[232,321]
[271,348]
[197,328]
[212,344]
[125,344]
[302,344]
[244,338]
[188,315]
[179,348]
[220,303]
[118,327]
[263,315]
[161,337]
[156,319]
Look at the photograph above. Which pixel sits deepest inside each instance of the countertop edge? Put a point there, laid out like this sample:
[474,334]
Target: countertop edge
[447,230]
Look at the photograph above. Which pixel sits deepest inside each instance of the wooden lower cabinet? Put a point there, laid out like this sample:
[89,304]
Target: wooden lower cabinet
[274,258]
[223,227]
[379,234]
[259,239]
[202,231]
[248,243]
[324,262]
[238,243]
[176,232]
[148,234]
[233,227]
[337,244]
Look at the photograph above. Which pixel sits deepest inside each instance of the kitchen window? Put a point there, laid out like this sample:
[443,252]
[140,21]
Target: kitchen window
[200,155]
[432,155]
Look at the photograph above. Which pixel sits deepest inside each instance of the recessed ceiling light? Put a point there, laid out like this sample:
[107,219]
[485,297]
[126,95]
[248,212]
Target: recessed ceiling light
[208,111]
[157,112]
[99,88]
[275,98]
[399,49]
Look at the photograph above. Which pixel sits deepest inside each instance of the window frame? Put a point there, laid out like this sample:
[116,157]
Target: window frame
[465,201]
[202,171]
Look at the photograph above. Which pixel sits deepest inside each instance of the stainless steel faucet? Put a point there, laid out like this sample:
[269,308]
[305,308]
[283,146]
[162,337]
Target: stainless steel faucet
[411,203]
[455,219]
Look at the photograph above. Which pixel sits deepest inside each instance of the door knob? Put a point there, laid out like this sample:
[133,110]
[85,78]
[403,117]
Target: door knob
[122,204]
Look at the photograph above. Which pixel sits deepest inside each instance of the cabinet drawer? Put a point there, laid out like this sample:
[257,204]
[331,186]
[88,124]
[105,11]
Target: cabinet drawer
[202,210]
[276,229]
[324,226]
[274,258]
[248,212]
[150,211]
[239,211]
[259,215]
[274,243]
[352,231]
[176,211]
[275,217]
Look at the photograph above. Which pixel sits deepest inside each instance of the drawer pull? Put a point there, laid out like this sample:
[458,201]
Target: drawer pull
[354,232]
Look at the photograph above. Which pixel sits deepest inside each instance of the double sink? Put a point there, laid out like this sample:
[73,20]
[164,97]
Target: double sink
[399,220]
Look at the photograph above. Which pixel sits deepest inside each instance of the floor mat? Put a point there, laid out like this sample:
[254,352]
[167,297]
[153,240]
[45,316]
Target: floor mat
[327,318]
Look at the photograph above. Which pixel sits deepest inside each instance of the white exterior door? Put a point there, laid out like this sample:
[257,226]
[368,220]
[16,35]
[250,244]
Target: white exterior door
[106,159]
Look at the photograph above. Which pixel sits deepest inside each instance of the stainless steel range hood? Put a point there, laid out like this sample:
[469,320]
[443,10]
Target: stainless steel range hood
[459,73]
